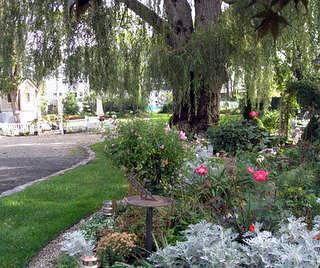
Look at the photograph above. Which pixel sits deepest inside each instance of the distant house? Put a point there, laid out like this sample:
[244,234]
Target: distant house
[28,104]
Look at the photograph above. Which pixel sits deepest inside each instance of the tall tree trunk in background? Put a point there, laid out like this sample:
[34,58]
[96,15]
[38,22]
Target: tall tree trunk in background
[14,92]
[194,111]
[14,95]
[180,19]
[197,113]
[207,14]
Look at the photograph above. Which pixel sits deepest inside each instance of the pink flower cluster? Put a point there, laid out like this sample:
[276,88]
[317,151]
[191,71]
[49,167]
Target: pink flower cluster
[253,114]
[258,175]
[182,135]
[201,170]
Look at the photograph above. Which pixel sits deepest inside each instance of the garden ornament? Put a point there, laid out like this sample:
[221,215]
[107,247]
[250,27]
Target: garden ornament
[89,262]
[148,201]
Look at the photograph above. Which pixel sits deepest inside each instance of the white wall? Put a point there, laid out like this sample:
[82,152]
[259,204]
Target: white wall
[28,104]
[6,117]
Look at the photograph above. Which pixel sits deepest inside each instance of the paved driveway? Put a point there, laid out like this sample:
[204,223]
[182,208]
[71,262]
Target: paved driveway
[24,159]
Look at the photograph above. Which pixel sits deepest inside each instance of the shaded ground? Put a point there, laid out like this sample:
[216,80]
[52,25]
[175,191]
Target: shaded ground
[24,159]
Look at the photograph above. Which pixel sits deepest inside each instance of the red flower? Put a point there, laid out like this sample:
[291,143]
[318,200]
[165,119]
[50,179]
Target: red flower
[201,170]
[253,114]
[258,175]
[252,228]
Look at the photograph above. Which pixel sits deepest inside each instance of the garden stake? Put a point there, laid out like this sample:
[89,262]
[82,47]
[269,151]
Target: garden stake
[149,240]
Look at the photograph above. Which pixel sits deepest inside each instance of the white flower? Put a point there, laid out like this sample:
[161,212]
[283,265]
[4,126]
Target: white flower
[260,159]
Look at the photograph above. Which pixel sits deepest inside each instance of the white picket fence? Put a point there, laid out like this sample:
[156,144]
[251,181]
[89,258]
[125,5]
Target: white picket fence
[71,126]
[16,129]
[82,125]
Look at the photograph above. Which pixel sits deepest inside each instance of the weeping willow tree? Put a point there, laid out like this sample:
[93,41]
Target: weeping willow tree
[25,50]
[188,55]
[287,53]
[112,56]
[12,49]
[191,53]
[187,46]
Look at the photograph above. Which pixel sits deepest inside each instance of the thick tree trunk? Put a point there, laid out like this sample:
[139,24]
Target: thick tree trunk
[198,113]
[15,105]
[208,108]
[195,111]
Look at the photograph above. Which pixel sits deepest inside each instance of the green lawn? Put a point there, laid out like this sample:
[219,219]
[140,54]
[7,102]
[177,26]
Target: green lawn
[28,220]
[159,117]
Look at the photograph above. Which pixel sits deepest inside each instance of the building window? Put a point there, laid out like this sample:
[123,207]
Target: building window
[9,97]
[28,97]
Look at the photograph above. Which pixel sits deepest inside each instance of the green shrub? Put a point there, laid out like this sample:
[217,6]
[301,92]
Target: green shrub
[167,108]
[228,118]
[65,261]
[89,105]
[145,148]
[122,107]
[70,104]
[234,136]
[308,97]
[271,121]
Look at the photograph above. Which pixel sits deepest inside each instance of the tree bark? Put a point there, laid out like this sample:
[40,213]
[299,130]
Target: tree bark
[196,111]
[207,14]
[14,95]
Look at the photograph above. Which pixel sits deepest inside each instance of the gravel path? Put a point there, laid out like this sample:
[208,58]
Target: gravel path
[47,257]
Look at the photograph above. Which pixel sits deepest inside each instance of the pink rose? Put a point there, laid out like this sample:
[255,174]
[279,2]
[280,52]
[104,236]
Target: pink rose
[253,114]
[201,170]
[182,135]
[258,175]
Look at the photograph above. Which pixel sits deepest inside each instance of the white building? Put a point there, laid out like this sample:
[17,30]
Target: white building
[56,90]
[28,104]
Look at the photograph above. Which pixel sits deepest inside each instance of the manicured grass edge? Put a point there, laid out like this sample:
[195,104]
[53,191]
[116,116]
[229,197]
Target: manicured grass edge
[32,218]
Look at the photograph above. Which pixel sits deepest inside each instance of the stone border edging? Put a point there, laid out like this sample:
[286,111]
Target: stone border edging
[20,188]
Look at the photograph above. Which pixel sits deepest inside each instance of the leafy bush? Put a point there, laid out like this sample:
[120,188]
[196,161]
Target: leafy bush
[245,135]
[114,246]
[271,121]
[307,92]
[122,107]
[95,225]
[229,118]
[153,154]
[65,261]
[70,104]
[208,245]
[308,96]
[167,108]
[89,105]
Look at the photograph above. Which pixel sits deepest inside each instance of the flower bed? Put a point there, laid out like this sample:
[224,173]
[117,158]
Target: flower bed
[254,208]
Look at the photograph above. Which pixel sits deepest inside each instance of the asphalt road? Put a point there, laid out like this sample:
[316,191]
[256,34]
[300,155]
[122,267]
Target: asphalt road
[24,159]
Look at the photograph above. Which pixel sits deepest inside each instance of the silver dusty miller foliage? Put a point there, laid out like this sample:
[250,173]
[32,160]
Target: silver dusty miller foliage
[75,244]
[210,245]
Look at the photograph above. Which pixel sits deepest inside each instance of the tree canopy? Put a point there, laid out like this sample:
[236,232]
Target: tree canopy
[128,47]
